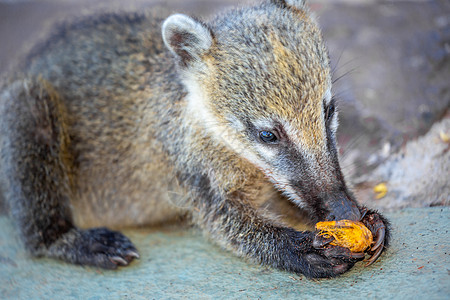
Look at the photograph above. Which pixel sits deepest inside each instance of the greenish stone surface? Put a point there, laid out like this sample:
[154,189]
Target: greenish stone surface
[182,264]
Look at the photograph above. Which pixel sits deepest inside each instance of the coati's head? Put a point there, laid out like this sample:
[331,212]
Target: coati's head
[259,81]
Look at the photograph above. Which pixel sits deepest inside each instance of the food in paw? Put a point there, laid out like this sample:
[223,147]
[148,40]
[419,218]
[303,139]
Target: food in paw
[348,234]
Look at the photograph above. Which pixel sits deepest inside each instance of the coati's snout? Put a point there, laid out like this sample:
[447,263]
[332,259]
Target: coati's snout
[340,206]
[317,186]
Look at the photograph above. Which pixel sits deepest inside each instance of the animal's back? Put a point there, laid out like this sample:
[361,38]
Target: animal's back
[110,73]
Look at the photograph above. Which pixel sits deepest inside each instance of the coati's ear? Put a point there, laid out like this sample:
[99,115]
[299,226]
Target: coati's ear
[187,38]
[299,4]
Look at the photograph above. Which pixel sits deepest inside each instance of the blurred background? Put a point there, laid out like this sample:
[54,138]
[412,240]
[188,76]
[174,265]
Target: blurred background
[391,62]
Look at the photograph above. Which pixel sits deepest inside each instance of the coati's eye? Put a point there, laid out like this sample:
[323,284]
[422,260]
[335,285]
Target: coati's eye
[267,137]
[329,111]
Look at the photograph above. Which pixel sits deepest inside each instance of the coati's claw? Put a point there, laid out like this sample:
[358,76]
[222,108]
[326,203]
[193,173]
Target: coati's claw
[379,228]
[357,255]
[380,238]
[378,247]
[132,254]
[363,213]
[374,256]
[119,260]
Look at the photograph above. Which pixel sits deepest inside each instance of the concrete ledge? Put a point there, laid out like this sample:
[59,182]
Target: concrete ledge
[182,264]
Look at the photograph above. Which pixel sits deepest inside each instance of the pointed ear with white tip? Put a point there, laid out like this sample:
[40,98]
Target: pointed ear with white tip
[186,38]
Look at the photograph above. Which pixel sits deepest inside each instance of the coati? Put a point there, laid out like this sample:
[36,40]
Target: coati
[111,124]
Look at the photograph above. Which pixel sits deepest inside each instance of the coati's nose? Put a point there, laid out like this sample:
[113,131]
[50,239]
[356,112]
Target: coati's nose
[342,208]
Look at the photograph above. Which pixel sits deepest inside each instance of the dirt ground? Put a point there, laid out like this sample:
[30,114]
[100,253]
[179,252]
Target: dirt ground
[391,61]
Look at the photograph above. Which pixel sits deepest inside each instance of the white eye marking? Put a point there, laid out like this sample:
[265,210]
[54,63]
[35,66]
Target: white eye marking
[327,96]
[264,123]
[267,152]
[334,124]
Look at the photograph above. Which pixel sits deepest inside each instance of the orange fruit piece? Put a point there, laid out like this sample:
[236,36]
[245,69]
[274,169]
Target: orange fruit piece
[348,234]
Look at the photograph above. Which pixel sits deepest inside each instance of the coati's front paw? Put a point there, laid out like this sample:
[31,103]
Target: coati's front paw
[326,260]
[98,247]
[314,257]
[329,262]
